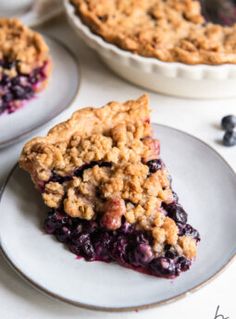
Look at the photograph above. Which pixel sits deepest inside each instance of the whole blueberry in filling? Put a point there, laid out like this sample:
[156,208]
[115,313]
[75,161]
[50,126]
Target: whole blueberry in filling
[164,266]
[192,232]
[141,255]
[102,245]
[154,165]
[176,212]
[63,234]
[119,249]
[55,221]
[170,252]
[183,263]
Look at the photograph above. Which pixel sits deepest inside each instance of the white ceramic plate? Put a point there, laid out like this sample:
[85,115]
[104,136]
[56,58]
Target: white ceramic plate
[206,185]
[178,79]
[62,89]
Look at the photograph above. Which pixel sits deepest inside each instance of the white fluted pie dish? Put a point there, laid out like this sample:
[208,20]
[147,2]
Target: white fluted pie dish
[172,78]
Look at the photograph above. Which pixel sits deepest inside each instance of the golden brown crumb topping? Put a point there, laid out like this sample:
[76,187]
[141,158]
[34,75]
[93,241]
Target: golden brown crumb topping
[96,164]
[170,30]
[19,43]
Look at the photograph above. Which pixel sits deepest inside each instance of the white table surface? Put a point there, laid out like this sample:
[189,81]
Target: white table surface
[200,118]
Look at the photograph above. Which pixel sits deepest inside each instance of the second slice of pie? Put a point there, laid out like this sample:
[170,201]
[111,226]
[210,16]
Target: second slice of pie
[109,193]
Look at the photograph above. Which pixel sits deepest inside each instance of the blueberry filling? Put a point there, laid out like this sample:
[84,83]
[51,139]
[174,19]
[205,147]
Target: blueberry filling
[127,246]
[176,212]
[22,87]
[162,266]
[192,232]
[78,172]
[154,165]
[59,178]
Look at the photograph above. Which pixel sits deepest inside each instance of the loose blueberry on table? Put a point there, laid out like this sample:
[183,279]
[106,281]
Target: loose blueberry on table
[24,64]
[109,193]
[228,123]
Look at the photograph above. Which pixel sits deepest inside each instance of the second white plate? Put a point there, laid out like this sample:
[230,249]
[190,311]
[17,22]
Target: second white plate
[62,89]
[206,186]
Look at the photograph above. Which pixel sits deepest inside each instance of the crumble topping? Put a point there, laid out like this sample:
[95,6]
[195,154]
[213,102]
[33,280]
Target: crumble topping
[170,30]
[98,164]
[188,245]
[21,45]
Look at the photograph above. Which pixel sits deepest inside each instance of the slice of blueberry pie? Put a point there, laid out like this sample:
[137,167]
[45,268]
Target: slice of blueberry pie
[24,64]
[109,193]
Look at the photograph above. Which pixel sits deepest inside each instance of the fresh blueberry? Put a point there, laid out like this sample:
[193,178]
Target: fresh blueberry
[229,138]
[228,122]
[176,212]
[154,165]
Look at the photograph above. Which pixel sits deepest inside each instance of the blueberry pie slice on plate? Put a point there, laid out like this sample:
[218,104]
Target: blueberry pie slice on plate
[109,192]
[25,64]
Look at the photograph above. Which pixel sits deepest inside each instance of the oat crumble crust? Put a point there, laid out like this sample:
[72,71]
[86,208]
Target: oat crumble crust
[119,134]
[169,30]
[19,43]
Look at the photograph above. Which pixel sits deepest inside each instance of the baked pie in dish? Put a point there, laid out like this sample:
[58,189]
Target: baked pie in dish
[109,192]
[169,30]
[24,64]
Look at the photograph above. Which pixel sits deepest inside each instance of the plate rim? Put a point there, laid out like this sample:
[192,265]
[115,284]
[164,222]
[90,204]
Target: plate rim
[40,19]
[180,296]
[53,115]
